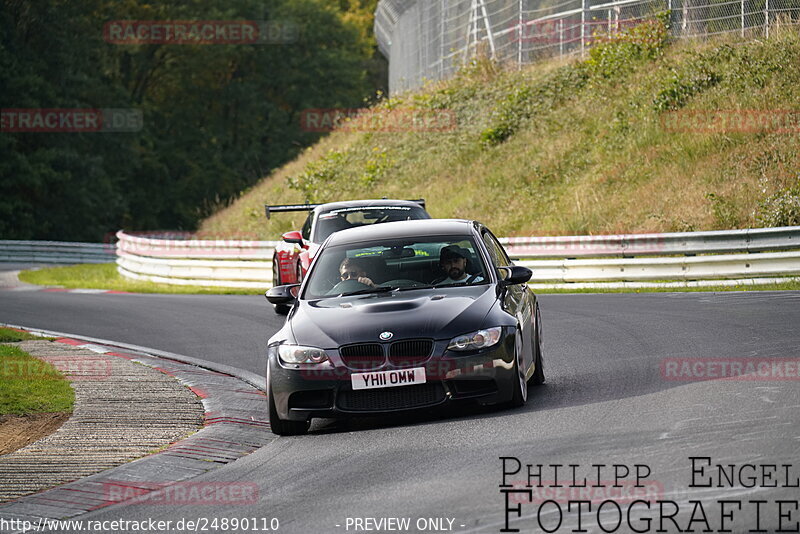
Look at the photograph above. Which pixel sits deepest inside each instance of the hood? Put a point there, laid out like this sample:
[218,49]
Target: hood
[429,313]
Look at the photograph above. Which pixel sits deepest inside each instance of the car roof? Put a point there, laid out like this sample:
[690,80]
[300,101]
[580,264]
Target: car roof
[404,229]
[364,203]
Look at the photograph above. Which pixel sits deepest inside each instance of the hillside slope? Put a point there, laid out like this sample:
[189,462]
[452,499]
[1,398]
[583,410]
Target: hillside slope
[607,144]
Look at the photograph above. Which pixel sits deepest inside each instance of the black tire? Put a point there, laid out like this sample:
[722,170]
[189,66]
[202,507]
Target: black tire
[280,309]
[519,395]
[537,379]
[280,426]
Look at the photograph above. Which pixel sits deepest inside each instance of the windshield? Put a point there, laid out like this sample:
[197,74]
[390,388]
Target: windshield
[353,217]
[395,265]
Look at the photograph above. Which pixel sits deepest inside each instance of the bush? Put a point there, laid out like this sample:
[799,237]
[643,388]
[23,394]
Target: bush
[781,209]
[317,175]
[523,102]
[619,53]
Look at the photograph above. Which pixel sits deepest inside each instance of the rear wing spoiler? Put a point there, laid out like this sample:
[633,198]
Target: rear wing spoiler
[289,207]
[308,207]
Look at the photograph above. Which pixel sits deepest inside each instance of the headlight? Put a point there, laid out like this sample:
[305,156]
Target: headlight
[476,340]
[301,354]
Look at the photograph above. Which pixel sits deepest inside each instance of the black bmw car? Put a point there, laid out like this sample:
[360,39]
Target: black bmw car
[402,316]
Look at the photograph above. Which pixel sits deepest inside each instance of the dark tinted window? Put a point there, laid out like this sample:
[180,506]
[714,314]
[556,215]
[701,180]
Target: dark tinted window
[306,231]
[407,264]
[343,218]
[496,251]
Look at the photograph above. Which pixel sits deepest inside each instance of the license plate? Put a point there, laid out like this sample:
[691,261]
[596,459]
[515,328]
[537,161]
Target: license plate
[388,379]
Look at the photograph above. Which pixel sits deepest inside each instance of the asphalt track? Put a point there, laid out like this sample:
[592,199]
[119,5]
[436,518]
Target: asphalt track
[606,401]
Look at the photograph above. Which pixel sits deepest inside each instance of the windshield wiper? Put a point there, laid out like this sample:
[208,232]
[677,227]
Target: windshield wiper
[454,284]
[378,289]
[409,288]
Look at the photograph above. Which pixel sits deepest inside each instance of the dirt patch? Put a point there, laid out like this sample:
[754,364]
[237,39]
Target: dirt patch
[16,431]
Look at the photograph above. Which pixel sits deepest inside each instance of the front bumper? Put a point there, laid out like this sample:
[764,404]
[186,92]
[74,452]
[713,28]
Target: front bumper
[304,392]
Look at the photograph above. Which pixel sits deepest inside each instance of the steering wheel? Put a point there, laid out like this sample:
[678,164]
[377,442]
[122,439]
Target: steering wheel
[347,286]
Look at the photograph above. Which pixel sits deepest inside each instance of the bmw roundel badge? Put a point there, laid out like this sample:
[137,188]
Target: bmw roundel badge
[386,336]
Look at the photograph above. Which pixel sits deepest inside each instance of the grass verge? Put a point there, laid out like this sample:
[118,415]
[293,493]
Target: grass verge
[30,386]
[10,335]
[105,276]
[783,286]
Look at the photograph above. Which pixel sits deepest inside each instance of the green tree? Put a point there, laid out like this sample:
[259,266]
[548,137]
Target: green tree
[216,117]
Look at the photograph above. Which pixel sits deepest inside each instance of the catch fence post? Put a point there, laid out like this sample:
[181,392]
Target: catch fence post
[584,21]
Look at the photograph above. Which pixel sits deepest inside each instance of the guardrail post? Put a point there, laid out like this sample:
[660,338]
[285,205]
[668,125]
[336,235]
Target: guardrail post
[561,38]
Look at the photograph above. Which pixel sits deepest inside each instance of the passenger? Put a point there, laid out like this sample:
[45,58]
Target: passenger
[353,269]
[454,261]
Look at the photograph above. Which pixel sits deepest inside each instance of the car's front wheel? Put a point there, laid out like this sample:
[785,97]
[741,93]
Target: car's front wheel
[282,427]
[538,375]
[519,393]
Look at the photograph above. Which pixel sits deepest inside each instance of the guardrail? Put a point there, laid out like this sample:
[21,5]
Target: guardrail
[724,266]
[55,252]
[687,243]
[196,262]
[703,258]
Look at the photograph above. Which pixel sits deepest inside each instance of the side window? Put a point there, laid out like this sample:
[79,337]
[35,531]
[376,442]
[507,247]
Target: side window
[306,231]
[499,256]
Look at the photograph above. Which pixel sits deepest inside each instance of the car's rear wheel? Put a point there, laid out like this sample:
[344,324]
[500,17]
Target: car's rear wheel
[280,309]
[282,427]
[538,375]
[520,392]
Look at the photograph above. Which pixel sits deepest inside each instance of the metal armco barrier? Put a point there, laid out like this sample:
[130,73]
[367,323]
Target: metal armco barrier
[212,263]
[753,254]
[55,252]
[688,243]
[686,268]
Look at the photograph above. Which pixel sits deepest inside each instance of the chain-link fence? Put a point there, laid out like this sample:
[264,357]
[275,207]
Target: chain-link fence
[431,39]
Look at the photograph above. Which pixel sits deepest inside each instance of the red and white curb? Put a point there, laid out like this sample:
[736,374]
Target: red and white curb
[235,424]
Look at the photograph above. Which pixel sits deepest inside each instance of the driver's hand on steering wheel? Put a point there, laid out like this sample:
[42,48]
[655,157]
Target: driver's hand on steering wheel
[366,281]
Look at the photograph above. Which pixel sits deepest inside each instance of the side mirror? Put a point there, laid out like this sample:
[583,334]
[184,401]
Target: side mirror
[511,276]
[293,237]
[279,295]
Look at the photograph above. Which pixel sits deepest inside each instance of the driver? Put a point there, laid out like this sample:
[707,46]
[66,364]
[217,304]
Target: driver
[453,261]
[353,269]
